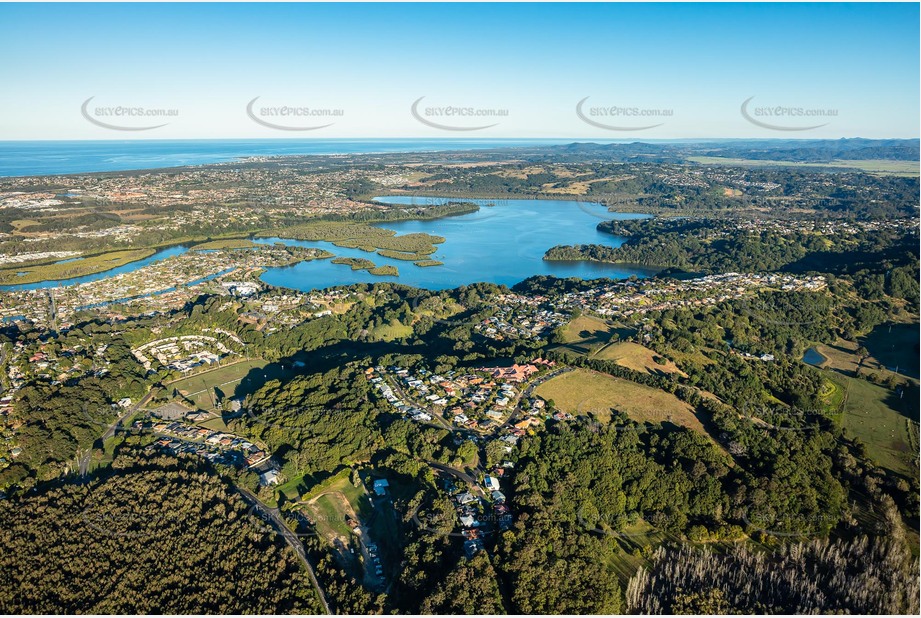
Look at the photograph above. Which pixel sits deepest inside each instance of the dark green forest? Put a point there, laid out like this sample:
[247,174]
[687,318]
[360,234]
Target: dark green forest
[153,535]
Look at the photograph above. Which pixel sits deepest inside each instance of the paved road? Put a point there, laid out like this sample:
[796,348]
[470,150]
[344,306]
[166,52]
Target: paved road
[371,577]
[472,482]
[273,513]
[526,394]
[439,420]
[2,364]
[292,539]
[84,461]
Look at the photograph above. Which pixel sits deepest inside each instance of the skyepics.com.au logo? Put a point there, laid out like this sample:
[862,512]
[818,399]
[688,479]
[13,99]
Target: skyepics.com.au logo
[456,117]
[437,523]
[299,524]
[125,117]
[292,117]
[606,207]
[594,408]
[440,523]
[623,525]
[778,309]
[785,117]
[779,418]
[793,525]
[622,117]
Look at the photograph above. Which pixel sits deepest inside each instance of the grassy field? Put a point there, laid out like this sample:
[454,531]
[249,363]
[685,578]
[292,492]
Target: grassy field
[199,388]
[639,358]
[330,503]
[883,421]
[585,328]
[696,357]
[891,347]
[839,355]
[895,346]
[582,391]
[389,332]
[585,334]
[336,500]
[18,224]
[631,538]
[330,511]
[68,270]
[215,424]
[339,482]
[842,356]
[882,167]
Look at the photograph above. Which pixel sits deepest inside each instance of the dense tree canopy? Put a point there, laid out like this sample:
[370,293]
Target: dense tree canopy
[158,535]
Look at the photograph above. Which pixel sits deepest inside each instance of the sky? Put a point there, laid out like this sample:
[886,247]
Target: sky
[640,71]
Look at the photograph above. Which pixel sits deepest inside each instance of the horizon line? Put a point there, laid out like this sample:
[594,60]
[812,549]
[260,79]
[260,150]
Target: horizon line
[467,139]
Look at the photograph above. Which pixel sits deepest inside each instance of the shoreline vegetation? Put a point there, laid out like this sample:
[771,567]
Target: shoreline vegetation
[80,267]
[352,232]
[230,243]
[363,264]
[355,263]
[356,232]
[705,244]
[385,271]
[387,243]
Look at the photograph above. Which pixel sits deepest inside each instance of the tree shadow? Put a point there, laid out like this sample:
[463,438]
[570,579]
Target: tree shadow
[904,400]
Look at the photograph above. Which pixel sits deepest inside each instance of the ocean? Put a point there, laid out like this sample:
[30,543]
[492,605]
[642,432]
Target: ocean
[42,158]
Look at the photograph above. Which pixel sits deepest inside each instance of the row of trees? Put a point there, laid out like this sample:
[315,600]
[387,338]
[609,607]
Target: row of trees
[854,575]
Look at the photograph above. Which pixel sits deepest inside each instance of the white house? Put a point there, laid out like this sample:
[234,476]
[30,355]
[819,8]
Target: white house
[269,477]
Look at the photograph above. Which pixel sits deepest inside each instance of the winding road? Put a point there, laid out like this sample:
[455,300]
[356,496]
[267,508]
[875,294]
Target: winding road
[292,539]
[471,482]
[84,461]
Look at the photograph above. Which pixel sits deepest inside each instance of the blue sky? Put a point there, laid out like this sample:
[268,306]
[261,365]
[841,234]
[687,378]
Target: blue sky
[686,68]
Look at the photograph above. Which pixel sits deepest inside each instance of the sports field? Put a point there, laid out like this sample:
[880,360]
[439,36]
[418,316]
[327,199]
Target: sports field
[200,388]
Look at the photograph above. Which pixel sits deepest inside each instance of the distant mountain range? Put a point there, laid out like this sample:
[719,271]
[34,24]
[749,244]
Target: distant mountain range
[814,151]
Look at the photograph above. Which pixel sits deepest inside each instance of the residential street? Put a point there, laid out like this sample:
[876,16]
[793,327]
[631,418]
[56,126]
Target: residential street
[84,461]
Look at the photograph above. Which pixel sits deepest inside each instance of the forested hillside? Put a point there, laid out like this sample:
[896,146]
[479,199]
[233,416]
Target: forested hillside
[155,535]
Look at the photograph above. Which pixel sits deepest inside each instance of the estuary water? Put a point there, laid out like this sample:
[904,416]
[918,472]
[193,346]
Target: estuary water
[130,267]
[504,242]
